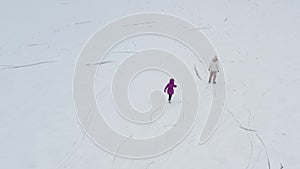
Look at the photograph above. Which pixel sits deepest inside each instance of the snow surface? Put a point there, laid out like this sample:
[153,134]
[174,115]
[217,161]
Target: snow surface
[257,42]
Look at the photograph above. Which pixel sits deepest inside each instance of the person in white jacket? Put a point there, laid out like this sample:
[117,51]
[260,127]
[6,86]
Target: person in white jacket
[213,68]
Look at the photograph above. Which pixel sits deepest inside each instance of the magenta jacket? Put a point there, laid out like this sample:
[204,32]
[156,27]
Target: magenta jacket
[170,87]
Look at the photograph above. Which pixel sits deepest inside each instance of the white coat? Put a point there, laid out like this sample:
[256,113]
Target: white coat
[214,66]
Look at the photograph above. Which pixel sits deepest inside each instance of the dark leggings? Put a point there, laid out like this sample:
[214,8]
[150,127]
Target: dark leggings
[170,97]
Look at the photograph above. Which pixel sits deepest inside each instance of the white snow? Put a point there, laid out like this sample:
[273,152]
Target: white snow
[257,43]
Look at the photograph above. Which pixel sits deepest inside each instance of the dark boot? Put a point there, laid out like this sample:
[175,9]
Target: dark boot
[170,97]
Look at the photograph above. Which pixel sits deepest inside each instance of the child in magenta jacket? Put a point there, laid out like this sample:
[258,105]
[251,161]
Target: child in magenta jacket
[170,86]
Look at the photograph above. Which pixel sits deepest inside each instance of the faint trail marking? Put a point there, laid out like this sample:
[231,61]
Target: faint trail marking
[28,65]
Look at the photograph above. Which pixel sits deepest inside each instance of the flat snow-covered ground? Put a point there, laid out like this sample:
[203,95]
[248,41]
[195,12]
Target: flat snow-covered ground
[257,42]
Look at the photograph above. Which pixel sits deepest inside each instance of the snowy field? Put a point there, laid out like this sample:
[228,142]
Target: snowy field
[257,43]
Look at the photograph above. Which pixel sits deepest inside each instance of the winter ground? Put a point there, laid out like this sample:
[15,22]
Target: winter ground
[257,42]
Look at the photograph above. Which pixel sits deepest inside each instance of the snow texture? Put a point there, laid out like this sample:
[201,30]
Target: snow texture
[257,42]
